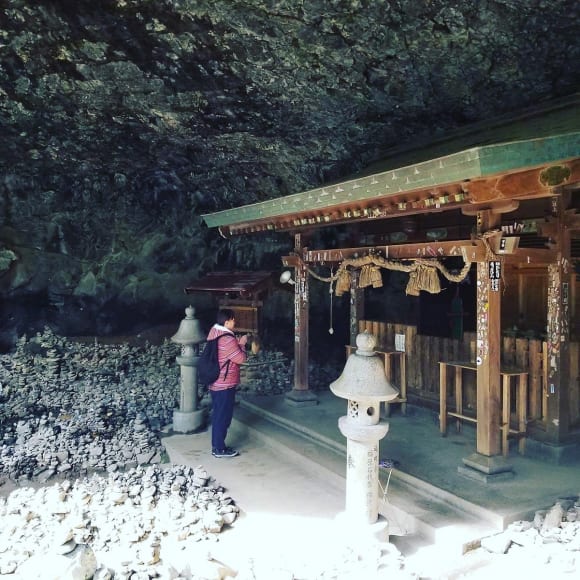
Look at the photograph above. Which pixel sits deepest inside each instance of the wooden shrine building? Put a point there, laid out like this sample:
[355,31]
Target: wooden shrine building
[241,291]
[502,200]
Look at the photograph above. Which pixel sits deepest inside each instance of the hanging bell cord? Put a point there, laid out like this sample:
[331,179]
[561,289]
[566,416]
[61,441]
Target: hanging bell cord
[331,292]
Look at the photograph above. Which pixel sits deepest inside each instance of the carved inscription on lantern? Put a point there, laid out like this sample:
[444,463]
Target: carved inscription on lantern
[372,470]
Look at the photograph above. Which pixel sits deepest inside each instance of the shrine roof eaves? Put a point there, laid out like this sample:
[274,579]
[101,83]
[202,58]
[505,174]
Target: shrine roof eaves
[466,165]
[237,282]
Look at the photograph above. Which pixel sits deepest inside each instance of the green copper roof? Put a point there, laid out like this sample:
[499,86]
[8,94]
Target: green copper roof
[472,163]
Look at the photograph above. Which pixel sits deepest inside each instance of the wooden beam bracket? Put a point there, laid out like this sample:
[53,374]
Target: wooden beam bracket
[290,261]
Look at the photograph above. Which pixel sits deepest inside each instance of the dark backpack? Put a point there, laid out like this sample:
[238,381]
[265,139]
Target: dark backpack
[208,367]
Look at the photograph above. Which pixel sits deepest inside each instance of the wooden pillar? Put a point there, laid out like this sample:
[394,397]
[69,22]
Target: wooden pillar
[357,306]
[488,357]
[301,394]
[558,333]
[487,464]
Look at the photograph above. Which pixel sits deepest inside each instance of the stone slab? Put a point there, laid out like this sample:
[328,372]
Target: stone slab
[301,398]
[488,465]
[484,477]
[556,454]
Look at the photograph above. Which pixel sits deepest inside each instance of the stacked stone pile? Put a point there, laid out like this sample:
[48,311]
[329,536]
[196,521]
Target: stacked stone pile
[266,373]
[69,408]
[321,375]
[143,523]
[271,373]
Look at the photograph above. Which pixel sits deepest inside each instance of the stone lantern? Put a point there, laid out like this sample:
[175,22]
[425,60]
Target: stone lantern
[189,335]
[364,384]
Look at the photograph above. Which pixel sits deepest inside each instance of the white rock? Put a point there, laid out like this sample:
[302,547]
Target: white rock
[520,526]
[553,518]
[103,573]
[525,538]
[66,548]
[229,518]
[8,567]
[498,543]
[79,564]
[118,497]
[62,535]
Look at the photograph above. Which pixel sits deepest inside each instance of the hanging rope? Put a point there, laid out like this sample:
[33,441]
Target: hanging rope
[490,255]
[331,328]
[343,281]
[423,273]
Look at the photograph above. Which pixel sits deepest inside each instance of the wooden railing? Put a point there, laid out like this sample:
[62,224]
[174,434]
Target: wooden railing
[423,354]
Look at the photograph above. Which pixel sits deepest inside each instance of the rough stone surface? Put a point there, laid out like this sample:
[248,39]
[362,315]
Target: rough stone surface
[124,121]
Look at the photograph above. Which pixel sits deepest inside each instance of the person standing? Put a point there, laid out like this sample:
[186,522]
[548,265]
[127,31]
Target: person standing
[231,354]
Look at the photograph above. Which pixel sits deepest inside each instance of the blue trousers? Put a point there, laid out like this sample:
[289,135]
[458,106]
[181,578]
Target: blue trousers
[222,413]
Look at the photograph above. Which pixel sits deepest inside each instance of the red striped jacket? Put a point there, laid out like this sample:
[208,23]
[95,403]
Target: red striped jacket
[229,349]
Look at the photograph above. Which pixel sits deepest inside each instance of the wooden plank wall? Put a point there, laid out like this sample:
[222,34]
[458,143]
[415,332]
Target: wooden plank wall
[423,354]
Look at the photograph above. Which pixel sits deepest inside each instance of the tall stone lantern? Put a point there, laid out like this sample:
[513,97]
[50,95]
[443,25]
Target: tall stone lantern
[189,335]
[364,384]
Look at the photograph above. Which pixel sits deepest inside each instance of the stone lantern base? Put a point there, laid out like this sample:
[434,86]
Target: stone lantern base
[188,421]
[359,531]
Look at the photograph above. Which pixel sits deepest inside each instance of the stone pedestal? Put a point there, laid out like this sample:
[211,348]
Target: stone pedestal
[362,533]
[562,454]
[486,469]
[188,418]
[362,469]
[301,398]
[188,422]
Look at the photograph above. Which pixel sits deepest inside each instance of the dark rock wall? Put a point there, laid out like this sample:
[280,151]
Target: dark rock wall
[122,121]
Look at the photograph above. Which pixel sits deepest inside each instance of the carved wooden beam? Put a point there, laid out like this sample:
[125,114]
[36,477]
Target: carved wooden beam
[291,261]
[396,252]
[533,183]
[526,184]
[521,256]
[474,251]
